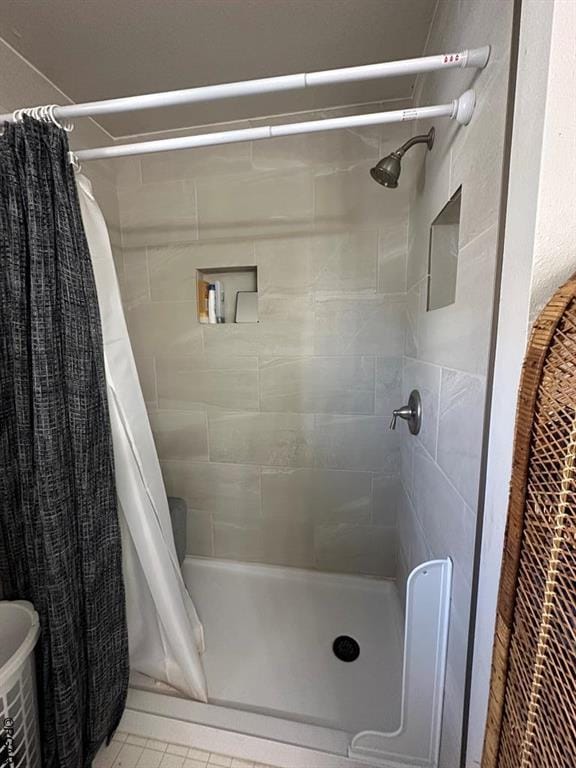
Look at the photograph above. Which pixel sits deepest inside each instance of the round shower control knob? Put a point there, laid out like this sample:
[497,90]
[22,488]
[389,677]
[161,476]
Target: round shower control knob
[411,413]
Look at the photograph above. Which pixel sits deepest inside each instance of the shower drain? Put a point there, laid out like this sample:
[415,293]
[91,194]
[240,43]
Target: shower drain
[346,648]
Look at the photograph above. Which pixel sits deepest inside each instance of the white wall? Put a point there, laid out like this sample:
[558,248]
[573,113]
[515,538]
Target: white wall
[539,255]
[447,351]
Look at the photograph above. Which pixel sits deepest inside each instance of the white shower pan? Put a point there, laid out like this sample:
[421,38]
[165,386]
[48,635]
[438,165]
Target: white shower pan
[279,695]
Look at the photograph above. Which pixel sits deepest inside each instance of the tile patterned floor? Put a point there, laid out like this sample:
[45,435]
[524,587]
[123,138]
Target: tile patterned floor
[128,751]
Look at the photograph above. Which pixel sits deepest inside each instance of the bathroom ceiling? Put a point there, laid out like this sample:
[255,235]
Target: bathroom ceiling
[100,49]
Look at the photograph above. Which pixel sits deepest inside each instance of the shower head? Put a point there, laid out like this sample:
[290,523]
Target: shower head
[387,170]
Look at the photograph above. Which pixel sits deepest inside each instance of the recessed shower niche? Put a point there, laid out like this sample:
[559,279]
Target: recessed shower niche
[227,295]
[443,255]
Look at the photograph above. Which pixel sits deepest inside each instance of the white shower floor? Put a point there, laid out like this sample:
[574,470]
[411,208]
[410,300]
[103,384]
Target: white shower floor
[269,634]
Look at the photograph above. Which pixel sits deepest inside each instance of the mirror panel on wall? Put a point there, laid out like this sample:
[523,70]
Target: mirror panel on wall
[443,255]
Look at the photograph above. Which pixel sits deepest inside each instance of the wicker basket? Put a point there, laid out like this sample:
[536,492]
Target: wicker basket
[532,709]
[19,736]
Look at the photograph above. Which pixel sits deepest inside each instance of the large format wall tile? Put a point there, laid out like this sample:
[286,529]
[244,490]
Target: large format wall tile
[226,252]
[172,272]
[185,381]
[412,539]
[386,499]
[158,213]
[134,280]
[164,328]
[330,262]
[128,172]
[407,446]
[356,549]
[392,256]
[447,522]
[147,378]
[361,325]
[254,204]
[388,390]
[459,623]
[281,542]
[221,159]
[477,162]
[430,194]
[426,379]
[414,303]
[228,491]
[317,384]
[298,308]
[316,495]
[335,148]
[239,540]
[180,435]
[282,439]
[349,199]
[458,336]
[460,431]
[199,536]
[270,336]
[355,442]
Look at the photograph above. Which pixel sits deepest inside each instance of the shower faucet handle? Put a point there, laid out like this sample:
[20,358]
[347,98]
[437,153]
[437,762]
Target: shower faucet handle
[404,413]
[411,413]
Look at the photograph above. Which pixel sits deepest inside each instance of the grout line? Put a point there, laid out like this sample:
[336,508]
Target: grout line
[212,534]
[148,277]
[196,208]
[374,385]
[260,495]
[437,425]
[155,377]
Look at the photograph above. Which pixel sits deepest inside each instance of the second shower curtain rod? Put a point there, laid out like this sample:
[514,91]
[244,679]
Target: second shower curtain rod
[460,109]
[475,57]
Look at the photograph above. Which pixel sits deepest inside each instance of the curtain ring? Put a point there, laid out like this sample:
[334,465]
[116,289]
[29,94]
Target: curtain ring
[67,126]
[44,114]
[74,162]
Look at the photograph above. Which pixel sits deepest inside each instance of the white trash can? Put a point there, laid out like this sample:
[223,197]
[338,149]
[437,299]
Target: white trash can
[19,735]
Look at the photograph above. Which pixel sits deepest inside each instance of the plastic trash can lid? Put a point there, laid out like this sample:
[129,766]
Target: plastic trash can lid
[19,630]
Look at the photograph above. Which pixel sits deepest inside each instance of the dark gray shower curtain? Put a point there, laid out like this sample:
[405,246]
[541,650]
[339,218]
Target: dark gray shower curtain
[59,532]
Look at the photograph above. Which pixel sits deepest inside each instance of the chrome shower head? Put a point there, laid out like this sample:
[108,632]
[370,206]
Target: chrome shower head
[387,170]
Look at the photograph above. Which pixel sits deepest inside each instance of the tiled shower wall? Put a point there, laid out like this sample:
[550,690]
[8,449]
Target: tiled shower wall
[276,434]
[447,350]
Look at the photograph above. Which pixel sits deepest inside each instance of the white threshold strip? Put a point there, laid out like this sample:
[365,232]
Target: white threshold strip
[171,724]
[244,735]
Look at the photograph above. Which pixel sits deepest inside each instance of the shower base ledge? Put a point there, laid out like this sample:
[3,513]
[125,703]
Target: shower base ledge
[277,693]
[246,736]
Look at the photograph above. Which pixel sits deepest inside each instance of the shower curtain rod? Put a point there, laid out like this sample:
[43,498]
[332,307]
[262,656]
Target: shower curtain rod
[474,57]
[460,109]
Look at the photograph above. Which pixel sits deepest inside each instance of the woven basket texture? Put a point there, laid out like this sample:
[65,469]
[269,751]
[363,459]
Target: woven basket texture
[532,710]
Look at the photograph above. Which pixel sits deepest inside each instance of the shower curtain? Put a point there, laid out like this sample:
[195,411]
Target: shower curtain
[165,634]
[59,534]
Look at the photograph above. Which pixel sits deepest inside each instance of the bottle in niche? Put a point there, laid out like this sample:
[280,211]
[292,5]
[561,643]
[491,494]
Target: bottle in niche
[203,286]
[219,301]
[212,304]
